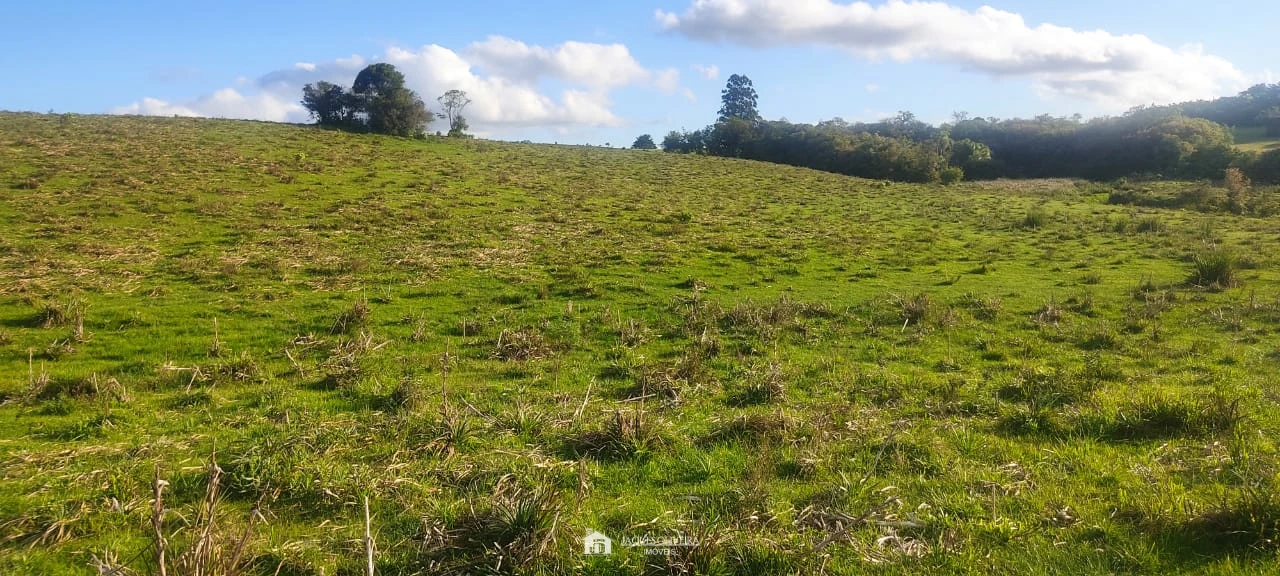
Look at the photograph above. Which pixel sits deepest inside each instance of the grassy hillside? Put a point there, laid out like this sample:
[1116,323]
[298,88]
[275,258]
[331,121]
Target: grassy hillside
[1254,139]
[502,346]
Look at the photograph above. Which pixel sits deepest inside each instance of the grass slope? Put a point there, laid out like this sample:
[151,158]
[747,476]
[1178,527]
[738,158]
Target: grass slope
[504,345]
[1254,139]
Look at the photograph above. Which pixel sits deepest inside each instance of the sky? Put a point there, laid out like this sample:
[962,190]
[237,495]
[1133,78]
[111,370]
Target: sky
[604,72]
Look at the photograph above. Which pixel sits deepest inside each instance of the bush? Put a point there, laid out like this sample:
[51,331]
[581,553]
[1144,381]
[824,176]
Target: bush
[1215,268]
[951,175]
[1238,186]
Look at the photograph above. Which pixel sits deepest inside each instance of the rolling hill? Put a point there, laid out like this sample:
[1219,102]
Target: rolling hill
[500,347]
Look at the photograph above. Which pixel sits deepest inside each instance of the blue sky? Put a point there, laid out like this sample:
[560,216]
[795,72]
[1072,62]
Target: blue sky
[596,72]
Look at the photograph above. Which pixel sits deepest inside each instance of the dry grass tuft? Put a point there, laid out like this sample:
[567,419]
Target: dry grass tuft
[522,345]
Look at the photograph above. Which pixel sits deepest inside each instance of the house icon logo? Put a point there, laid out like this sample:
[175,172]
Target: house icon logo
[596,544]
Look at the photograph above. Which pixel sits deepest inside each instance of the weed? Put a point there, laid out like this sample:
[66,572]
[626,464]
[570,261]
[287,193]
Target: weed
[1049,314]
[1046,388]
[758,427]
[515,526]
[352,319]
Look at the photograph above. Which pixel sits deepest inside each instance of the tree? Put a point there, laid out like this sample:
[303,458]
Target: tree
[329,104]
[1270,120]
[673,142]
[378,80]
[453,102]
[644,142]
[731,137]
[738,100]
[398,113]
[378,102]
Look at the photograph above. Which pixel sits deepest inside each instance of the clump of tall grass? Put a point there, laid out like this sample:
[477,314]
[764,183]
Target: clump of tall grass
[54,313]
[523,344]
[762,385]
[1157,415]
[914,309]
[516,526]
[626,434]
[1035,218]
[351,319]
[1149,225]
[985,308]
[1215,268]
[409,396]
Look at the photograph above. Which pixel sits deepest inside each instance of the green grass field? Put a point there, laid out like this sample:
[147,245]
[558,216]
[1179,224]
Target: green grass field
[502,346]
[1254,139]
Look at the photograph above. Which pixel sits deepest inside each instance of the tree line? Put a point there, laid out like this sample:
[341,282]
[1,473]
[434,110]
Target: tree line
[1187,141]
[378,102]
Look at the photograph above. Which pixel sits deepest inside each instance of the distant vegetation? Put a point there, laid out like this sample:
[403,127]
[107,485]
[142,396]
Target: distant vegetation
[644,142]
[379,102]
[1186,141]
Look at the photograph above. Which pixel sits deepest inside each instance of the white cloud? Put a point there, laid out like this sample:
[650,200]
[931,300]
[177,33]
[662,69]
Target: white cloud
[709,72]
[594,65]
[225,103]
[503,77]
[497,101]
[1115,71]
[873,87]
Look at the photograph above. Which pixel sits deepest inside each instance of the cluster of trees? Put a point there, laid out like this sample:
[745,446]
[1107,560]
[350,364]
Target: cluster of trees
[902,148]
[1257,106]
[379,102]
[1142,142]
[1181,141]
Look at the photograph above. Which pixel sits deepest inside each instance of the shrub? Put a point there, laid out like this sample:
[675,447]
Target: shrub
[1215,268]
[1238,186]
[951,175]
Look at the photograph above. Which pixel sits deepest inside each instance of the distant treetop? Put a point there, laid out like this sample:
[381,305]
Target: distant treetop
[378,102]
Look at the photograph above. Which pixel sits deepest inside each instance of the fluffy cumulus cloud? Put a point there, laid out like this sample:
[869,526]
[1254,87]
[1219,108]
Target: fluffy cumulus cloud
[1115,71]
[507,81]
